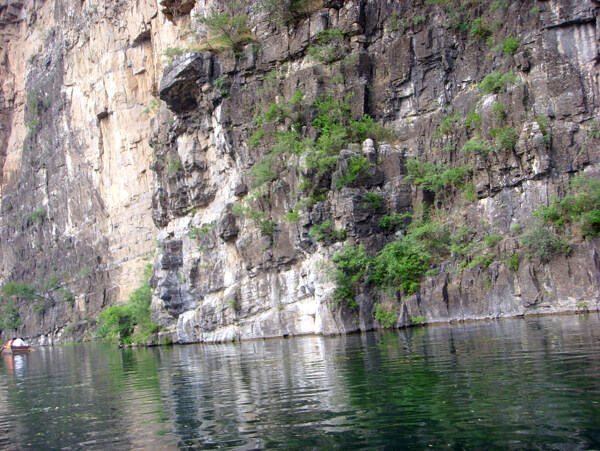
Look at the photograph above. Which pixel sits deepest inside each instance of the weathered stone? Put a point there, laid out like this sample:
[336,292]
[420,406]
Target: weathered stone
[227,227]
[181,80]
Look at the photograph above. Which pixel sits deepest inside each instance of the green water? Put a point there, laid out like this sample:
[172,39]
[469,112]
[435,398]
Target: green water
[511,384]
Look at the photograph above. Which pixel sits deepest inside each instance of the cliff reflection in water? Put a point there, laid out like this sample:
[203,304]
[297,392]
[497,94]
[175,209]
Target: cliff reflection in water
[524,383]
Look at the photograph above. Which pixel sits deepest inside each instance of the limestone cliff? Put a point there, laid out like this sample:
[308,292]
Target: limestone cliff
[75,80]
[340,128]
[249,226]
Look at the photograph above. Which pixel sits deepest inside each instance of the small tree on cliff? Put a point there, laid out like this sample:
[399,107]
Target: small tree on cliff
[226,28]
[289,12]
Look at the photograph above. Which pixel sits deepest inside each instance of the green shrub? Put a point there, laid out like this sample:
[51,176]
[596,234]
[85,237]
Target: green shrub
[513,261]
[266,225]
[351,266]
[9,316]
[387,318]
[499,4]
[499,110]
[330,46]
[436,177]
[544,125]
[473,120]
[264,171]
[511,45]
[395,23]
[38,215]
[492,239]
[447,124]
[542,243]
[506,138]
[581,206]
[373,201]
[336,129]
[356,167]
[418,19]
[479,29]
[594,129]
[477,145]
[401,264]
[326,230]
[228,28]
[21,290]
[481,261]
[292,216]
[461,242]
[173,52]
[130,322]
[195,233]
[497,82]
[393,221]
[174,165]
[419,319]
[289,12]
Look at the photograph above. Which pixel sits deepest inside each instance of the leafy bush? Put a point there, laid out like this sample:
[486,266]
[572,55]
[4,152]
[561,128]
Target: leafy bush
[544,125]
[196,232]
[419,319]
[473,120]
[506,138]
[356,166]
[351,266]
[594,129]
[266,225]
[9,316]
[337,129]
[492,239]
[447,124]
[228,28]
[418,19]
[38,215]
[292,216]
[479,29]
[394,22]
[174,165]
[373,200]
[289,12]
[499,110]
[263,171]
[326,230]
[582,206]
[511,45]
[387,318]
[477,145]
[330,46]
[436,177]
[173,52]
[129,323]
[513,261]
[542,243]
[497,82]
[401,264]
[393,221]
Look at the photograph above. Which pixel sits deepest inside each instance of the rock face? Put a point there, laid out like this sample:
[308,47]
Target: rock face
[75,81]
[250,205]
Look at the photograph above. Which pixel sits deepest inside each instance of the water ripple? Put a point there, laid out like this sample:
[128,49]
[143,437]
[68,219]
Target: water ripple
[528,383]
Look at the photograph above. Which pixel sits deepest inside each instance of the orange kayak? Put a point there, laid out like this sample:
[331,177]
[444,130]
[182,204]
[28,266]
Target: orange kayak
[17,349]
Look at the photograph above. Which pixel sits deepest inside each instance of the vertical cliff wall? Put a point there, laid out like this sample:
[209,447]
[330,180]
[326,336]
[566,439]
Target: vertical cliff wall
[267,229]
[77,81]
[298,167]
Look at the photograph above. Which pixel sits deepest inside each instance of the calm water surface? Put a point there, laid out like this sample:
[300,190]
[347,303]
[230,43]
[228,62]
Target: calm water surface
[511,384]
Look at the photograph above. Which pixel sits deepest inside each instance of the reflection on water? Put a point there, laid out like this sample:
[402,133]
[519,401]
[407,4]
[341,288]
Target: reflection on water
[511,384]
